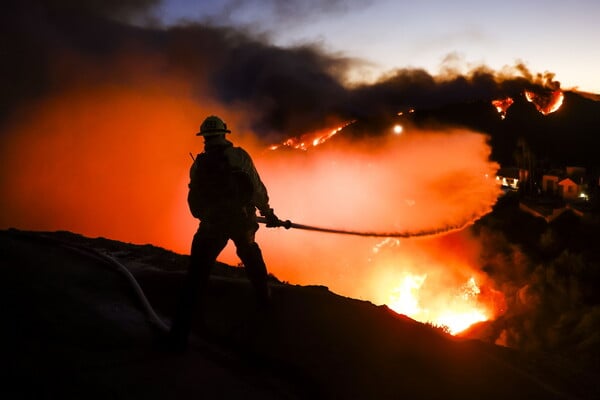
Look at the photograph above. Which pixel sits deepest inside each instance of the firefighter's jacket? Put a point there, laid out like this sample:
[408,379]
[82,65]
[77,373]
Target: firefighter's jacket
[239,159]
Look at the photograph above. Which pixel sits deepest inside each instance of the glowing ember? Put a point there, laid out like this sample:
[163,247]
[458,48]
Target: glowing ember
[309,140]
[546,103]
[410,111]
[398,129]
[385,242]
[456,313]
[502,105]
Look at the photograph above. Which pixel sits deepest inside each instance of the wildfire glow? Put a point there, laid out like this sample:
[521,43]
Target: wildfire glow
[458,322]
[381,185]
[502,105]
[459,310]
[313,139]
[546,104]
[126,179]
[404,298]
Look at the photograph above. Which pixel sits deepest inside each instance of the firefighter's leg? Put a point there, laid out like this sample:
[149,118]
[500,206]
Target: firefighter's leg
[206,246]
[249,252]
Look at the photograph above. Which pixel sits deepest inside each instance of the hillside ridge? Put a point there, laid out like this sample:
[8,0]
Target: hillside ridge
[77,330]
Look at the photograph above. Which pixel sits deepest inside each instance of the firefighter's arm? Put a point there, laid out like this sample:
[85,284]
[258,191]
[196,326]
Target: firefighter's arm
[260,198]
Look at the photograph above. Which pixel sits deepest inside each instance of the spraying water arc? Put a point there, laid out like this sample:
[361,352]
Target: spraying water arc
[287,224]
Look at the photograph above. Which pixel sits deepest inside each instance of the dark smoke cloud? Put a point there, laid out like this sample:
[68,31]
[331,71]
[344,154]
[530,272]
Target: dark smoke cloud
[291,88]
[418,88]
[52,45]
[36,36]
[113,9]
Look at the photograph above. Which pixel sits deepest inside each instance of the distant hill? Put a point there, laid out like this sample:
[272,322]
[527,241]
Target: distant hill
[73,328]
[569,136]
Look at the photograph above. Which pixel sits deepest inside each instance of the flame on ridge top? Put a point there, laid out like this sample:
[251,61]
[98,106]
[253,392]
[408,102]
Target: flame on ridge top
[544,103]
[502,105]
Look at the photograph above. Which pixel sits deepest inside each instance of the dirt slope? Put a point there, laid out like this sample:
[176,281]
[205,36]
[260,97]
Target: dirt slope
[74,328]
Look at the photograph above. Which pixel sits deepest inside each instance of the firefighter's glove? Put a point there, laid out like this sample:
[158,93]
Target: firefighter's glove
[271,219]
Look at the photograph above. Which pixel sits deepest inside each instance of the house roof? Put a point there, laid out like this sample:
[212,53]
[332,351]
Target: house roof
[567,181]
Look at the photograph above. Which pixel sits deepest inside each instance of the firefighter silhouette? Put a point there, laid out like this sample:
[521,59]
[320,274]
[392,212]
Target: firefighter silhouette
[224,192]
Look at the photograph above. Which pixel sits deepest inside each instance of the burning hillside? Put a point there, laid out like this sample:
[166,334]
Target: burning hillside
[502,105]
[545,103]
[417,182]
[311,140]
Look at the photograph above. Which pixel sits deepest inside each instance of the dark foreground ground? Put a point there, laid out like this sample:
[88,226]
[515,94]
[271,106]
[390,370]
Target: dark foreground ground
[72,327]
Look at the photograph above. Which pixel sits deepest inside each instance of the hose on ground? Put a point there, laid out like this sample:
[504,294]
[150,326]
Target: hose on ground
[106,258]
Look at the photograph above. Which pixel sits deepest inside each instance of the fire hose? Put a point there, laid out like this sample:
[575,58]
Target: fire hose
[287,224]
[107,259]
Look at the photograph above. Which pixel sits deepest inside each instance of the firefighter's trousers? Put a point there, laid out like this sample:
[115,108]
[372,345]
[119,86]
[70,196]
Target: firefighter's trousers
[210,239]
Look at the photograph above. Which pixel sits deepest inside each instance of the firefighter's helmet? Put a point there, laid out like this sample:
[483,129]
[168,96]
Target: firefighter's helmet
[213,125]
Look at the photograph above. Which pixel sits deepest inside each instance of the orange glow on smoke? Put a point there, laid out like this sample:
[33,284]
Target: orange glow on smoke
[502,105]
[420,180]
[106,161]
[546,104]
[113,161]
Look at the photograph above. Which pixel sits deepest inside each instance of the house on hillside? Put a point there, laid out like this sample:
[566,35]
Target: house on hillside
[511,177]
[562,190]
[569,190]
[568,184]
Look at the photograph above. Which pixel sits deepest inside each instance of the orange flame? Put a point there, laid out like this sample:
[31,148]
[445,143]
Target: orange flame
[313,139]
[502,105]
[546,104]
[457,314]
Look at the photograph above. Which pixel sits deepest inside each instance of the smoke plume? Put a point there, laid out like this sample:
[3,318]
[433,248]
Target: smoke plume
[548,274]
[289,91]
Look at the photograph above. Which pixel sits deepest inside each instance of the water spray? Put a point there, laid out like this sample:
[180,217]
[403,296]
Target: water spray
[287,224]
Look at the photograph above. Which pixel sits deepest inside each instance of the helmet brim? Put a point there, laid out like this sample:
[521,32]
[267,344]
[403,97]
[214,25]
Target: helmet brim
[213,132]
